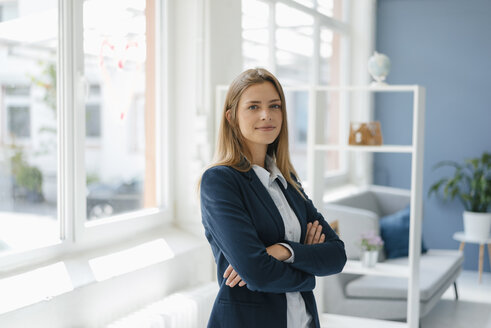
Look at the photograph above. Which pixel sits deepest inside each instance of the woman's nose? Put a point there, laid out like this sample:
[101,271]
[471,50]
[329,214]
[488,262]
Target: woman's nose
[265,115]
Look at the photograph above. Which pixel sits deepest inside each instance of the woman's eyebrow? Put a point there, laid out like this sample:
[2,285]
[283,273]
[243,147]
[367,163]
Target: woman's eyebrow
[258,101]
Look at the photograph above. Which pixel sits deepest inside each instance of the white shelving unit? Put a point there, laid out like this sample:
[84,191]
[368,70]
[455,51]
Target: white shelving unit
[314,149]
[371,149]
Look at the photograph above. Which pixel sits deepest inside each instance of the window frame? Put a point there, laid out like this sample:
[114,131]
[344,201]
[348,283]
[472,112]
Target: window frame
[320,21]
[76,233]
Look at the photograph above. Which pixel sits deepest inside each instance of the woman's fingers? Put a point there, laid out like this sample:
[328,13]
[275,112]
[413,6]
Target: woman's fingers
[228,271]
[314,234]
[233,277]
[317,235]
[235,281]
[311,231]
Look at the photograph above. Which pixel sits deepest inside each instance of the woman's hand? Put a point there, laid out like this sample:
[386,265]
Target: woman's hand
[314,234]
[279,252]
[233,277]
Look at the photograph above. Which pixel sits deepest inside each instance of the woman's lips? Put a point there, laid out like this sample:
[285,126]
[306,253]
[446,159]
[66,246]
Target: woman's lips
[266,128]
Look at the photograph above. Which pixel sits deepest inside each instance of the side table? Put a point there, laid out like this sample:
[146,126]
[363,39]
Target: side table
[460,236]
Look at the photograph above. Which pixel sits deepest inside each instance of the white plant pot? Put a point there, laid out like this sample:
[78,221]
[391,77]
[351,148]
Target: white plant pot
[369,258]
[477,225]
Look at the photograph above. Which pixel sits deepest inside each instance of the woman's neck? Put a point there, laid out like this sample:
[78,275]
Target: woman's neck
[258,156]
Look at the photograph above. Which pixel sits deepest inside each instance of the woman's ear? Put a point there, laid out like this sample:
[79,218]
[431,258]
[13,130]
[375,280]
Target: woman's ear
[228,116]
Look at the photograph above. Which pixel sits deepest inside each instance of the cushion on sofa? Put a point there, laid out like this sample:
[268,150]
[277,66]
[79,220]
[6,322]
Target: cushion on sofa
[436,267]
[394,230]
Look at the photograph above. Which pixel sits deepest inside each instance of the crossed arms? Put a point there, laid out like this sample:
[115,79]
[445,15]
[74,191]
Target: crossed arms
[231,232]
[278,251]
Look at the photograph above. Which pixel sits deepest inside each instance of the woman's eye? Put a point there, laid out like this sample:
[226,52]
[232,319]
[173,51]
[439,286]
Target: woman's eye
[252,107]
[276,106]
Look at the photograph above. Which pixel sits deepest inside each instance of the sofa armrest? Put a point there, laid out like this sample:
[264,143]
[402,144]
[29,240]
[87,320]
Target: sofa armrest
[390,200]
[363,200]
[334,291]
[352,223]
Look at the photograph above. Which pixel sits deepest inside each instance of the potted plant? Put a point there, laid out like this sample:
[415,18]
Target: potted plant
[28,178]
[371,244]
[471,184]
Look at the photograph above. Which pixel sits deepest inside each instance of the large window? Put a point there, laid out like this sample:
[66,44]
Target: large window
[115,56]
[79,134]
[28,138]
[301,43]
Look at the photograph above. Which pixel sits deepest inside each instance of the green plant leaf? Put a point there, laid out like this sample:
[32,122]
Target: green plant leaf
[470,182]
[474,162]
[434,188]
[446,163]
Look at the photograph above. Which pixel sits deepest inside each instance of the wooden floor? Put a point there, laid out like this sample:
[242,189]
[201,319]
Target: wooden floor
[472,310]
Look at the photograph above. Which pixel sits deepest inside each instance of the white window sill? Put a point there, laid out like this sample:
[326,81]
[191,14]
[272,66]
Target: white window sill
[68,274]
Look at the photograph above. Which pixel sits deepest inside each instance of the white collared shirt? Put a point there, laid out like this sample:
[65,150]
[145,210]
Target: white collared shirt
[297,315]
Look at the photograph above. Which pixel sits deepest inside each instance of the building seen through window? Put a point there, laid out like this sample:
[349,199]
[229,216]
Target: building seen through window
[28,136]
[119,130]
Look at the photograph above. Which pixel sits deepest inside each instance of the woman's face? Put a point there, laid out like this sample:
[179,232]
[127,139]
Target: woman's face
[259,116]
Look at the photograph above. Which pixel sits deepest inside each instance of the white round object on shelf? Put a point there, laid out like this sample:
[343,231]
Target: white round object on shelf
[379,67]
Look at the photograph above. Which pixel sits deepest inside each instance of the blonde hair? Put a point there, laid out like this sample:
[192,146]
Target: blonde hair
[231,148]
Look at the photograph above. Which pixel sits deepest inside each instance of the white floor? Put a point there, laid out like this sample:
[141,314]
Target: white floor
[472,310]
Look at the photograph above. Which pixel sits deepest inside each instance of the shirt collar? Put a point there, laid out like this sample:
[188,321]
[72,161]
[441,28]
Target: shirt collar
[268,176]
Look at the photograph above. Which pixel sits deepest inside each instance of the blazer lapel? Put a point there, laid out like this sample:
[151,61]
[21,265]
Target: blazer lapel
[267,201]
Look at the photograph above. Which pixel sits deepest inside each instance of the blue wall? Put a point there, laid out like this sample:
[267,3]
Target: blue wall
[446,47]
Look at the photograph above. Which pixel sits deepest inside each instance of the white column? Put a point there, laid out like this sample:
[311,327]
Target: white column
[205,47]
[362,19]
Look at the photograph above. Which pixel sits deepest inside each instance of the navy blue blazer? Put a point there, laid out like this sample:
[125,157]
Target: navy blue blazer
[240,221]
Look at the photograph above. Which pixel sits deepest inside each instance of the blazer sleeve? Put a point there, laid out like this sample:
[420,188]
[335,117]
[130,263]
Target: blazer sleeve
[322,259]
[230,226]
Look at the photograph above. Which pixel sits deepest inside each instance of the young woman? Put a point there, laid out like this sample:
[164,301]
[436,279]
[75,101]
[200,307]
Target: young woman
[268,239]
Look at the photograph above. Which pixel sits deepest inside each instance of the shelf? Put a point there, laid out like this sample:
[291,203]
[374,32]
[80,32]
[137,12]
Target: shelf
[460,236]
[372,87]
[380,269]
[342,321]
[377,149]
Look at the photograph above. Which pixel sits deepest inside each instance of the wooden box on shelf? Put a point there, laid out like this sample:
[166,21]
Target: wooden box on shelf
[368,133]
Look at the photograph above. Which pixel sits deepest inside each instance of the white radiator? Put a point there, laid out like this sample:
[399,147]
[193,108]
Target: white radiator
[187,309]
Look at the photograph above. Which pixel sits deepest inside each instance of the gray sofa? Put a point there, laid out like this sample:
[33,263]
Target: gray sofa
[382,297]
